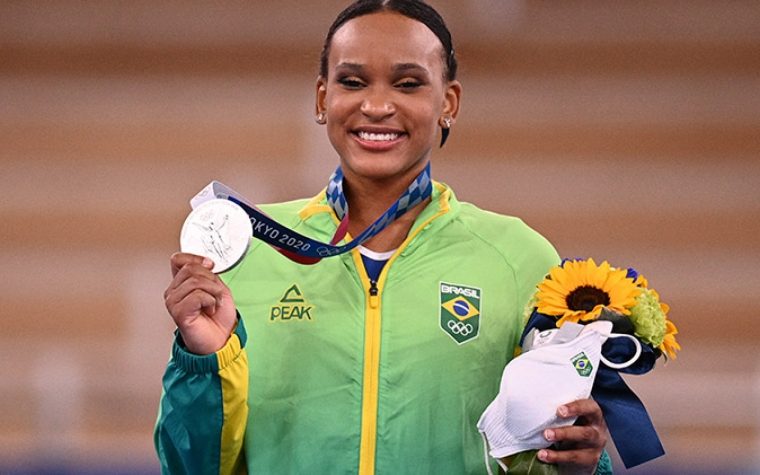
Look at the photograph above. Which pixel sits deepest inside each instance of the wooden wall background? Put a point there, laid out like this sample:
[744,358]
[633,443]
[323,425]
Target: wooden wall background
[620,130]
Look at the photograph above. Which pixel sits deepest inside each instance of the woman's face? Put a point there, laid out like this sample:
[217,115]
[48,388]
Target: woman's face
[385,95]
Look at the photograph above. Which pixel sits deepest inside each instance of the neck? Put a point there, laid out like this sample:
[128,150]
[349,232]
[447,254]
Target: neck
[393,235]
[369,199]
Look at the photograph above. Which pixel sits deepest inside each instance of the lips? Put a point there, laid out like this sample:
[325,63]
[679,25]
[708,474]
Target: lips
[378,139]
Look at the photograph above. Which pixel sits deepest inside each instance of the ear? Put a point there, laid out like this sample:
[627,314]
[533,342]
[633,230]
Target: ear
[451,99]
[321,96]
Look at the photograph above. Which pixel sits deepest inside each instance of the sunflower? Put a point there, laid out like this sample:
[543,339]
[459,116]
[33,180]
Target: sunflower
[669,344]
[578,291]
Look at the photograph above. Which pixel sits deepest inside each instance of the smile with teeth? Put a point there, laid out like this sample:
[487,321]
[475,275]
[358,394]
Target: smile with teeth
[372,137]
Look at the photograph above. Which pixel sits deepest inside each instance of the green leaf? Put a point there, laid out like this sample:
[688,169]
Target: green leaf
[527,463]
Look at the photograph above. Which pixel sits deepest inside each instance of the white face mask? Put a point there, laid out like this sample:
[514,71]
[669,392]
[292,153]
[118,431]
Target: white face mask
[557,367]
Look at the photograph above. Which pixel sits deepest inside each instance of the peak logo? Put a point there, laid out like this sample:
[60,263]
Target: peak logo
[292,306]
[460,311]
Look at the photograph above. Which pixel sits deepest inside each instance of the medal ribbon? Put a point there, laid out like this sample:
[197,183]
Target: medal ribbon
[306,250]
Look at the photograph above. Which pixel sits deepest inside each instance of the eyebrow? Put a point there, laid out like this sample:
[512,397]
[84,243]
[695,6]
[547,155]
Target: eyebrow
[350,66]
[404,67]
[397,68]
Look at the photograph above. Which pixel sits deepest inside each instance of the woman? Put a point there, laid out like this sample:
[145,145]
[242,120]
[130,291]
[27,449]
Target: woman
[380,360]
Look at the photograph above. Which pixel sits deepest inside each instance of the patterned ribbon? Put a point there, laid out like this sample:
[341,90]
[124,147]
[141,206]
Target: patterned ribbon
[306,250]
[627,420]
[419,190]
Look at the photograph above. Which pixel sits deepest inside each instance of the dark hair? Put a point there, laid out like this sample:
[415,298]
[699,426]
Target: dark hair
[414,9]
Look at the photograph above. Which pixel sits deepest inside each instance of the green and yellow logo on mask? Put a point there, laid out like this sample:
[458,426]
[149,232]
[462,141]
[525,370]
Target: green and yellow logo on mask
[582,364]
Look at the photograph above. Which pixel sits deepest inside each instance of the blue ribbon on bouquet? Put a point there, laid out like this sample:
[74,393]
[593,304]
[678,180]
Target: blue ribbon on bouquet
[627,419]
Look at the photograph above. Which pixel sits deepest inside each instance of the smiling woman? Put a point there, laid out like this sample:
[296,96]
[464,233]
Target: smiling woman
[397,346]
[383,100]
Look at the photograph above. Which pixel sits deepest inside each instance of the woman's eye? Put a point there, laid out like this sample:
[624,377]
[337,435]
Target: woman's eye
[350,83]
[409,84]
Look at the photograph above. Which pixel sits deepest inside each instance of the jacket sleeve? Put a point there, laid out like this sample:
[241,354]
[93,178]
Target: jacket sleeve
[605,464]
[204,409]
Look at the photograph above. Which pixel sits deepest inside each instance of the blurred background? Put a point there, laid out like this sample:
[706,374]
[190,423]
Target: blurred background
[627,131]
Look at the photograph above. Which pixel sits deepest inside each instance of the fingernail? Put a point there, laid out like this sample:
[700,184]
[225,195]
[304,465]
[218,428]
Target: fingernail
[542,455]
[208,262]
[563,411]
[549,435]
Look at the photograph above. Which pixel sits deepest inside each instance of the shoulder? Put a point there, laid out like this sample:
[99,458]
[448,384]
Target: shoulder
[510,235]
[286,212]
[508,239]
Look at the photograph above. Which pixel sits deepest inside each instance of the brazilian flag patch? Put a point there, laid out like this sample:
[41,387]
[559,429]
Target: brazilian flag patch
[460,311]
[582,364]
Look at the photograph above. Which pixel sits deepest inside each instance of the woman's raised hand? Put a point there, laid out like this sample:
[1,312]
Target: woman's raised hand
[200,304]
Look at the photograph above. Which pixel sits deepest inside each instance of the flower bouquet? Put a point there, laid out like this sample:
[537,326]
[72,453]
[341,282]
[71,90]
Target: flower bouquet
[579,291]
[582,292]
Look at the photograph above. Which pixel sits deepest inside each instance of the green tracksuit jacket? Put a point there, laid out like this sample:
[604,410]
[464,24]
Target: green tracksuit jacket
[329,373]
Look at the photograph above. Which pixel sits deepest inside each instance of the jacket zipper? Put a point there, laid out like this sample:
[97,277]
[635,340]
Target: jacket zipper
[369,391]
[374,300]
[370,394]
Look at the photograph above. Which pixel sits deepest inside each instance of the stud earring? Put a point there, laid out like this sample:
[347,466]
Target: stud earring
[321,118]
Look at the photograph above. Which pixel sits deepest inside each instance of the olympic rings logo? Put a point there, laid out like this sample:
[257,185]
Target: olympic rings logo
[460,328]
[327,252]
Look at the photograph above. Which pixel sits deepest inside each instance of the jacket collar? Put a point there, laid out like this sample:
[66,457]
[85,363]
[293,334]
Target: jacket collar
[443,207]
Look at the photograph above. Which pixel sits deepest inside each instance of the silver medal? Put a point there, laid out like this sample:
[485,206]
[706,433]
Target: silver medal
[218,229]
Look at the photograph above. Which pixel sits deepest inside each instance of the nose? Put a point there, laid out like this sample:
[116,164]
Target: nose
[377,106]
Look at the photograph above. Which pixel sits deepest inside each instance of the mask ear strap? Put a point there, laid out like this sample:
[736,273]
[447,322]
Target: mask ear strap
[628,363]
[485,453]
[488,457]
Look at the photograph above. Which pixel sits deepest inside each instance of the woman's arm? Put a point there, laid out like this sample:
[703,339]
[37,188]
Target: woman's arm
[204,410]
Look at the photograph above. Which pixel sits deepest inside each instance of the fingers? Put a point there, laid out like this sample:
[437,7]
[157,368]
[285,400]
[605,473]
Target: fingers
[589,430]
[200,304]
[192,305]
[580,445]
[181,259]
[578,458]
[577,436]
[588,409]
[194,287]
[192,276]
